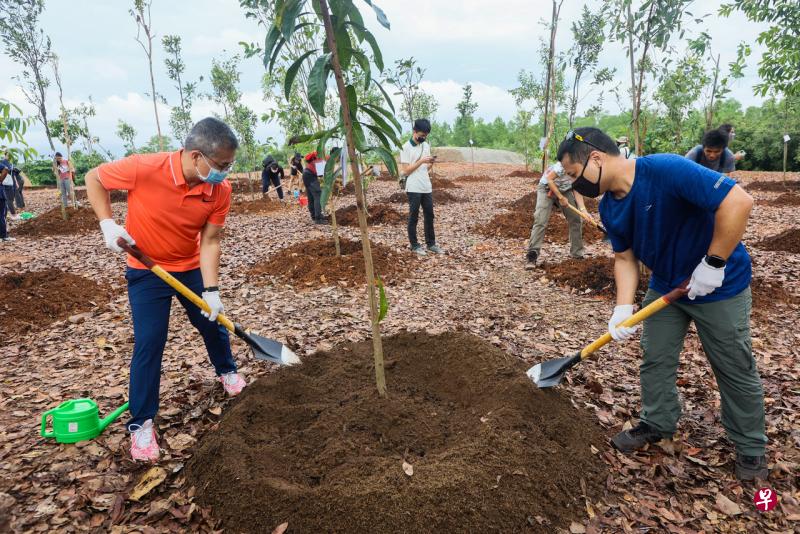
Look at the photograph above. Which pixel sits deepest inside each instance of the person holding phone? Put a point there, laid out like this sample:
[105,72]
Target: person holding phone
[415,161]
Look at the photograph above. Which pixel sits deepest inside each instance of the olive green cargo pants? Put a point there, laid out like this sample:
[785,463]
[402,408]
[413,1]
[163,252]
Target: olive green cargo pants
[724,331]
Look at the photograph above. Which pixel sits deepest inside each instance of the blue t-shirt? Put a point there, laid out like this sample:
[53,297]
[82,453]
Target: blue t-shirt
[667,219]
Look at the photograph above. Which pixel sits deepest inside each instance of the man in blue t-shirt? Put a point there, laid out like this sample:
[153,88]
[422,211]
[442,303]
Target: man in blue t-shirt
[683,221]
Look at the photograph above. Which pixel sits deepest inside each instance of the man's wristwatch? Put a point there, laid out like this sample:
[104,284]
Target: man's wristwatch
[715,261]
[210,289]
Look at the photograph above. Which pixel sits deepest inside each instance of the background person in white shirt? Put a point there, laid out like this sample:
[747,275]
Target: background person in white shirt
[415,159]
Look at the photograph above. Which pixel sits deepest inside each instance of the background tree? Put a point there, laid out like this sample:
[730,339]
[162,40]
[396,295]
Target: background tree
[27,44]
[69,129]
[550,84]
[127,133]
[462,130]
[180,118]
[680,88]
[13,127]
[588,37]
[415,103]
[646,29]
[144,25]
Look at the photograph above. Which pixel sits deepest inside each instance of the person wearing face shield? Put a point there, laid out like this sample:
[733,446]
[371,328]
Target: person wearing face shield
[684,222]
[177,204]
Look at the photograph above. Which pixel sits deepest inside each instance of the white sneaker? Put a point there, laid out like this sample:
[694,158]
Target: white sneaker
[9,239]
[144,446]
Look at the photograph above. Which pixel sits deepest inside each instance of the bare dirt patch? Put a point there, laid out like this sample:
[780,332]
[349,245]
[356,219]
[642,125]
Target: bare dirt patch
[314,263]
[438,182]
[33,300]
[439,197]
[788,241]
[259,206]
[590,276]
[784,199]
[775,186]
[79,221]
[524,174]
[769,297]
[469,179]
[315,445]
[378,214]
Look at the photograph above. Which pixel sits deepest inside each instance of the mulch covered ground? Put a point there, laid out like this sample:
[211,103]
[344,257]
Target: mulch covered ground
[33,300]
[785,199]
[444,183]
[774,185]
[469,179]
[464,442]
[116,196]
[589,276]
[314,263]
[51,222]
[258,206]
[378,214]
[786,241]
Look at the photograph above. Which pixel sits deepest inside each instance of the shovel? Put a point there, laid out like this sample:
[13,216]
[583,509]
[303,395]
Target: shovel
[263,348]
[550,373]
[589,219]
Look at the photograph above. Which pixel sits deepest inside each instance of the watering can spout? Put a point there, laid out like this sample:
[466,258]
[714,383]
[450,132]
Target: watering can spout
[110,418]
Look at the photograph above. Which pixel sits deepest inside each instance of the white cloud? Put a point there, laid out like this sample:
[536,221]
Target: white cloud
[493,101]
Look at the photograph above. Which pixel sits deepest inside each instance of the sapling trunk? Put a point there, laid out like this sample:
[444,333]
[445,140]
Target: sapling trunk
[377,345]
[334,226]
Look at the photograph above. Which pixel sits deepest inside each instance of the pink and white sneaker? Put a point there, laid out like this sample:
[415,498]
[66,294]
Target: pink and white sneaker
[233,383]
[144,446]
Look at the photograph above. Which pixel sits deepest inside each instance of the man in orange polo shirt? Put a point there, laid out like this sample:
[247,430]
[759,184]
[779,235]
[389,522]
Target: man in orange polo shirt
[177,203]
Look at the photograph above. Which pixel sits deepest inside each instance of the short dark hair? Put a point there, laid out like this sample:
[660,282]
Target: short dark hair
[58,155]
[579,151]
[715,139]
[725,128]
[422,125]
[211,135]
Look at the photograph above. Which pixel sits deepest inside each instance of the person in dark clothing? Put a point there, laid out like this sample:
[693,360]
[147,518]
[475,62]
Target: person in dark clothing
[272,173]
[9,185]
[313,189]
[3,228]
[20,183]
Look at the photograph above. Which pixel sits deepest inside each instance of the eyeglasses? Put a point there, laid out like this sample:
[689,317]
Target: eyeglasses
[572,135]
[221,168]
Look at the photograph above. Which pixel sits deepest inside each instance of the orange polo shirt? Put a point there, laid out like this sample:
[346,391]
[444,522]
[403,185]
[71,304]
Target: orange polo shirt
[165,217]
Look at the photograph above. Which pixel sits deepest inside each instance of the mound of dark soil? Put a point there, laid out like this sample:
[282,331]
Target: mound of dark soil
[34,300]
[776,186]
[315,445]
[516,224]
[386,177]
[592,276]
[524,174]
[378,214]
[468,179]
[51,222]
[769,296]
[258,206]
[116,196]
[443,183]
[785,199]
[439,197]
[314,263]
[243,185]
[788,241]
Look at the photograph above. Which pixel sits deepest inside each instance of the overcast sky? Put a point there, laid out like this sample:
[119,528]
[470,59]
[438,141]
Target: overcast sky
[457,41]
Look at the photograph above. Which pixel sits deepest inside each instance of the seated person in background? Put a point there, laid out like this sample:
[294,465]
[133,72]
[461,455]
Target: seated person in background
[713,153]
[730,131]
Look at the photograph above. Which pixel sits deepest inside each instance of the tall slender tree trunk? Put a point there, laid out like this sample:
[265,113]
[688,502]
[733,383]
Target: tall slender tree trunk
[377,344]
[710,110]
[155,102]
[550,86]
[637,120]
[634,114]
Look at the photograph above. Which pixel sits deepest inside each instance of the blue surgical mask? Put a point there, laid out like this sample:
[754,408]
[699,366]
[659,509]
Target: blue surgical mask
[214,176]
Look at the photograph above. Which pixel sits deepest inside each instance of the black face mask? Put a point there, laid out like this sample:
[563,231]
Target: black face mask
[585,187]
[420,140]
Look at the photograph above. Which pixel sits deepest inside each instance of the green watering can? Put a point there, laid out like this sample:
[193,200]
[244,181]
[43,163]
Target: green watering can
[77,420]
[25,215]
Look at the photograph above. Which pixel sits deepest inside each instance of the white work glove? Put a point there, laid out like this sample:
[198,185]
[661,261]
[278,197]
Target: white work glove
[112,231]
[213,301]
[621,312]
[705,279]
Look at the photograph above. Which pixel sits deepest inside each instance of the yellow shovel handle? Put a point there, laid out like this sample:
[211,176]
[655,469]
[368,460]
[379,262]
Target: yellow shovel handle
[173,282]
[584,216]
[652,308]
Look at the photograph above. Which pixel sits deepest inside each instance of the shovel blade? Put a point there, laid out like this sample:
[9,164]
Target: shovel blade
[268,349]
[550,373]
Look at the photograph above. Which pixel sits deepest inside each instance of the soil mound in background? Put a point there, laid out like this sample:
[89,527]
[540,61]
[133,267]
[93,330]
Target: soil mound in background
[378,214]
[443,183]
[258,206]
[243,185]
[36,299]
[785,199]
[590,276]
[439,197]
[524,174]
[51,222]
[314,263]
[788,241]
[116,195]
[516,224]
[315,445]
[384,176]
[776,186]
[769,297]
[468,179]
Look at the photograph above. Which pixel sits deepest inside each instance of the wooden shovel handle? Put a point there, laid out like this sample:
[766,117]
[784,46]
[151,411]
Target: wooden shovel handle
[652,308]
[173,282]
[584,216]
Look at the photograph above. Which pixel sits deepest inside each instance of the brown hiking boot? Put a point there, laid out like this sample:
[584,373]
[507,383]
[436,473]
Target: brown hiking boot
[636,438]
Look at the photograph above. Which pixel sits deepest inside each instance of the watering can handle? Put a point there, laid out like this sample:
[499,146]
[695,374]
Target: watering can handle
[44,433]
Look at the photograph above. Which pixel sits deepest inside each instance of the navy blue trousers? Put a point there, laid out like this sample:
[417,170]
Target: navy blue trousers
[150,299]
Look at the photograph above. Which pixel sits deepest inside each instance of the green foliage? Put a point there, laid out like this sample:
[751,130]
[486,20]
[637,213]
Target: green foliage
[127,133]
[406,77]
[152,146]
[588,37]
[180,118]
[39,171]
[779,67]
[465,122]
[83,163]
[13,128]
[679,90]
